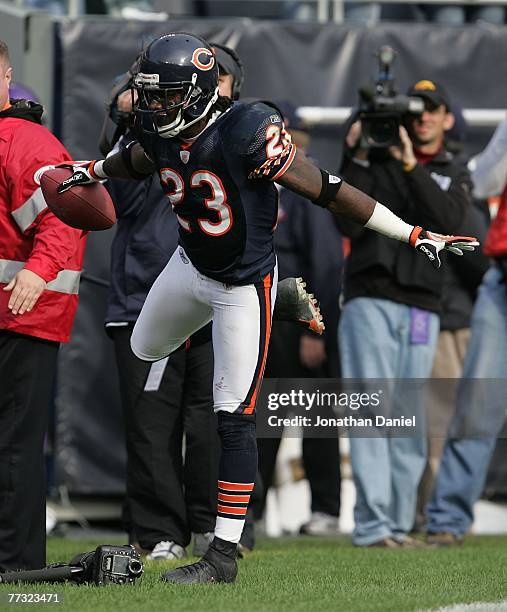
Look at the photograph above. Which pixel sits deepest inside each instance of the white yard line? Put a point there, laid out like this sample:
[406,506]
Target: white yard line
[499,606]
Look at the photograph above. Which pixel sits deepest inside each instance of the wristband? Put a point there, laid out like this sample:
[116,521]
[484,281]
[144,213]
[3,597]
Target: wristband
[330,187]
[409,167]
[96,170]
[414,235]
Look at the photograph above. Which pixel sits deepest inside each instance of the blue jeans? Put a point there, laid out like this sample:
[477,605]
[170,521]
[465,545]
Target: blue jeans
[374,338]
[465,460]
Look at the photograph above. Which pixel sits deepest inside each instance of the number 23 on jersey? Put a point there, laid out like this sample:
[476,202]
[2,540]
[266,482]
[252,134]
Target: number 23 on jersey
[216,202]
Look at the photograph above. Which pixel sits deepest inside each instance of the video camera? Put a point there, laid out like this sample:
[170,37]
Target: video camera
[381,110]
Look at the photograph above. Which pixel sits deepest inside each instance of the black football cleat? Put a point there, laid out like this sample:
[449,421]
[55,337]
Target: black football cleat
[217,565]
[294,303]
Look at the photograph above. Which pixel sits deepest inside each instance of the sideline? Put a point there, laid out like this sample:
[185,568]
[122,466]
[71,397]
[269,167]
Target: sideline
[498,606]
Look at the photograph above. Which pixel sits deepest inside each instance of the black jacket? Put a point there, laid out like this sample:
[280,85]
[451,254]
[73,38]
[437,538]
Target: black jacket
[309,245]
[146,237]
[24,109]
[435,196]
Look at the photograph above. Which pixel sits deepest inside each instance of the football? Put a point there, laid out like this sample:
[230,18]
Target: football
[86,207]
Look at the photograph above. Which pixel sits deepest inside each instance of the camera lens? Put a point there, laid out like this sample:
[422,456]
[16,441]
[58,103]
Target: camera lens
[382,133]
[135,567]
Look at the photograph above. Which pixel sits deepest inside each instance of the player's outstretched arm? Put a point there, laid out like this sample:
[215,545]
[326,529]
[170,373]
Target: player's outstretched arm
[305,178]
[129,163]
[331,192]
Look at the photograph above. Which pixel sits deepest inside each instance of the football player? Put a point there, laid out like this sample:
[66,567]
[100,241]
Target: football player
[293,302]
[217,161]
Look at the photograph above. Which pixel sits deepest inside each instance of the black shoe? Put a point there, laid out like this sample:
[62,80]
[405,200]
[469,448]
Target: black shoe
[217,565]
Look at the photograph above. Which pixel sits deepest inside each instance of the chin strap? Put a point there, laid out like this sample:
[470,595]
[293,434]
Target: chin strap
[171,133]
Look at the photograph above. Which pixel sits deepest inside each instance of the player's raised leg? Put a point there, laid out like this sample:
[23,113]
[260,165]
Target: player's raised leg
[294,303]
[241,329]
[172,312]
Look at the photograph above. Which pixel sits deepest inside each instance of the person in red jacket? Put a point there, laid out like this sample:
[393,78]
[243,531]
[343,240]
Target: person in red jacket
[40,263]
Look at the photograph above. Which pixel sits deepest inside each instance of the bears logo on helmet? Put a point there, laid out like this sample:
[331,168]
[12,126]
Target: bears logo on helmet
[197,62]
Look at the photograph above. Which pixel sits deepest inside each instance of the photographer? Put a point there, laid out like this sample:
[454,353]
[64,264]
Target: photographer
[390,322]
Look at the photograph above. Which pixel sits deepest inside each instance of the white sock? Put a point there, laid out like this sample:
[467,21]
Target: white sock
[229,529]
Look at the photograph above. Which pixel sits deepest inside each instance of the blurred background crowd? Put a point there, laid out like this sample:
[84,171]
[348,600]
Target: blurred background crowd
[388,314]
[355,11]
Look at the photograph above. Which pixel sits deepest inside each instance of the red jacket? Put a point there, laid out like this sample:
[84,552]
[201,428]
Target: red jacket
[496,240]
[30,235]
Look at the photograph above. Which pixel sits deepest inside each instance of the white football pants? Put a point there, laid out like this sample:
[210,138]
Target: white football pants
[182,301]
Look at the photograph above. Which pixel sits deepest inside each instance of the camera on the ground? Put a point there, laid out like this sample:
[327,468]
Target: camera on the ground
[115,565]
[382,109]
[105,565]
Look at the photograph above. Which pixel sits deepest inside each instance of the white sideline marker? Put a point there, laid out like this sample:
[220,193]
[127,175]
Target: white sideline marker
[498,606]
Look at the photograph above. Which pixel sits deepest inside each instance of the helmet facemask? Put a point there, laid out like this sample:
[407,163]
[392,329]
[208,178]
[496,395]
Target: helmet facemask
[162,111]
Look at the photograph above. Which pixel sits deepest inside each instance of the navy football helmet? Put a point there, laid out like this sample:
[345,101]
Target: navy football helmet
[176,83]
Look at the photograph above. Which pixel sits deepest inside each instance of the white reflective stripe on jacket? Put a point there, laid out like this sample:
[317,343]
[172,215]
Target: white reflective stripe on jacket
[26,214]
[67,281]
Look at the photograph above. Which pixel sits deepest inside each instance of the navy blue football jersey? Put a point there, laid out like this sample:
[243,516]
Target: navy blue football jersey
[221,188]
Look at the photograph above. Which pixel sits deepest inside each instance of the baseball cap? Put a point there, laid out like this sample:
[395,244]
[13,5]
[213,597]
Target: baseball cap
[430,90]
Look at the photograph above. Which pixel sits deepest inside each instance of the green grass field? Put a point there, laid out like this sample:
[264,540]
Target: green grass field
[292,574]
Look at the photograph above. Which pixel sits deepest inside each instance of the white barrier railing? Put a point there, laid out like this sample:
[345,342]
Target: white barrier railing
[324,115]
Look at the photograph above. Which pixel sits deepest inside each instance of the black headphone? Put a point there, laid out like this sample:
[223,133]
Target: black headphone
[233,67]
